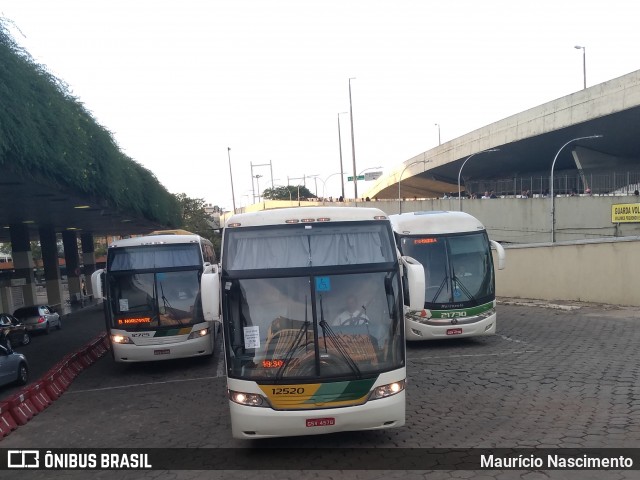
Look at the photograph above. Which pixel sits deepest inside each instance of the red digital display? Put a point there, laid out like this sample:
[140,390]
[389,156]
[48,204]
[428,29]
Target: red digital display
[272,363]
[420,241]
[134,321]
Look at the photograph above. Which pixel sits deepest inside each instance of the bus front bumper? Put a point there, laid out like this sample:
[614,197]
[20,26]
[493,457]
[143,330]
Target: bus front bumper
[129,353]
[421,331]
[258,422]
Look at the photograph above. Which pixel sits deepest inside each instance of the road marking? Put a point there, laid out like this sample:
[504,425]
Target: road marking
[509,339]
[143,384]
[499,354]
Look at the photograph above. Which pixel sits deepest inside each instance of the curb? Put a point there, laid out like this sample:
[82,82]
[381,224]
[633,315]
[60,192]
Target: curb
[21,407]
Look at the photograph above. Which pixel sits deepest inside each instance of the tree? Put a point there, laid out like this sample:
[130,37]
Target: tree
[290,192]
[195,219]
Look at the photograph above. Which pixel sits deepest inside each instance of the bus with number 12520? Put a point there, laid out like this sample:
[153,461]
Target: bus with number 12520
[313,314]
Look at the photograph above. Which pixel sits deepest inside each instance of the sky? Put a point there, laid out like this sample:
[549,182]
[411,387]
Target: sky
[179,83]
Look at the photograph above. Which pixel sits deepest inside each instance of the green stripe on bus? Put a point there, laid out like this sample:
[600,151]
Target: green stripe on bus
[470,312]
[172,332]
[342,391]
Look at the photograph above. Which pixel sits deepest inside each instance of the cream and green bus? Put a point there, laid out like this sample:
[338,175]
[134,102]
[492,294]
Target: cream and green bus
[313,313]
[460,293]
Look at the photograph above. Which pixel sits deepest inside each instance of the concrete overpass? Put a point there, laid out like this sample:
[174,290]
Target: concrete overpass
[528,143]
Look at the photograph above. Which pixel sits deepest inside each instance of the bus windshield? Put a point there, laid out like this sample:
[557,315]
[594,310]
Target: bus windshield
[158,299]
[458,267]
[311,303]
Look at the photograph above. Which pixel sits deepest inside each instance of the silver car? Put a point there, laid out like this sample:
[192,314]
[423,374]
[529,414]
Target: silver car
[38,318]
[13,367]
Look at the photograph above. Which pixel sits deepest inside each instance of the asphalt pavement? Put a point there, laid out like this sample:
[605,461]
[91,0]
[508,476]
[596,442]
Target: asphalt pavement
[555,376]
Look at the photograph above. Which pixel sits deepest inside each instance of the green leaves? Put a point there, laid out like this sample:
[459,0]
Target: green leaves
[48,134]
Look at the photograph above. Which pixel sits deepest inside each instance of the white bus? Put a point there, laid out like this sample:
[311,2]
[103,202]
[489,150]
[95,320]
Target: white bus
[312,310]
[152,301]
[455,250]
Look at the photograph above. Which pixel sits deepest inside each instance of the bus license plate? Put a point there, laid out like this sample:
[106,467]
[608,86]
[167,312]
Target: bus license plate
[321,422]
[164,351]
[454,331]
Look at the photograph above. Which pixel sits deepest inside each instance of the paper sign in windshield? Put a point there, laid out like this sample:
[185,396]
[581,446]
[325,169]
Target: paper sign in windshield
[252,337]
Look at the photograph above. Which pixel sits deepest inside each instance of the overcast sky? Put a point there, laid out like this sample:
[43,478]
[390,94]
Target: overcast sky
[178,82]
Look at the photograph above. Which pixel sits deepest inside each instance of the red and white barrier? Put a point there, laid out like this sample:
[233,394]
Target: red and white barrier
[7,422]
[23,406]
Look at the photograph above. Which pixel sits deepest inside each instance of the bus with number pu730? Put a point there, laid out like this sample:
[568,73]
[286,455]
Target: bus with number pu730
[460,294]
[312,309]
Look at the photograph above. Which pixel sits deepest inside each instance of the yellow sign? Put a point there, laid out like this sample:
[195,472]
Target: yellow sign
[625,213]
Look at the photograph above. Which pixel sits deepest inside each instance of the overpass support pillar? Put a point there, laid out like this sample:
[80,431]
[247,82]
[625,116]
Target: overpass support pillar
[23,281]
[49,245]
[70,244]
[88,259]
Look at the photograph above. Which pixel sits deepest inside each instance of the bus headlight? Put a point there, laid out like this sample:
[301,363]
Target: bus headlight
[120,339]
[388,390]
[199,333]
[247,399]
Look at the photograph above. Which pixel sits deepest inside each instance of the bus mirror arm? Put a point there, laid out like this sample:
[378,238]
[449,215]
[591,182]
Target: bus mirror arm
[501,255]
[416,280]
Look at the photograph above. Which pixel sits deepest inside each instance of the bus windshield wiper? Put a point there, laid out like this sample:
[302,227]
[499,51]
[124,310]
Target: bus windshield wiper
[168,308]
[462,287]
[302,333]
[444,282]
[337,342]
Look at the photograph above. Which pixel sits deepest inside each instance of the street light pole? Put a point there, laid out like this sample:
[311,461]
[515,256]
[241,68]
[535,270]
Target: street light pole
[233,196]
[400,181]
[315,182]
[438,125]
[340,146]
[353,145]
[324,182]
[584,64]
[460,173]
[553,198]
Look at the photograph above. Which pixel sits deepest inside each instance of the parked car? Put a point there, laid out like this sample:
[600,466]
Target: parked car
[39,318]
[13,367]
[13,331]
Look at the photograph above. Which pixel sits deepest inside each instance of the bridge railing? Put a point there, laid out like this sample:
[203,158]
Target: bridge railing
[619,183]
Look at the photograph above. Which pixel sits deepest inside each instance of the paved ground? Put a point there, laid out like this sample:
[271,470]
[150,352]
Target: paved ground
[555,376]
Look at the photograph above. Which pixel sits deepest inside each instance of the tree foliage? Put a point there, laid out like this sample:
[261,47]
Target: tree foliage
[48,135]
[290,192]
[195,219]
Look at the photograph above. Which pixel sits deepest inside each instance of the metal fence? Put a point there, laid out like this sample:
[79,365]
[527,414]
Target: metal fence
[614,183]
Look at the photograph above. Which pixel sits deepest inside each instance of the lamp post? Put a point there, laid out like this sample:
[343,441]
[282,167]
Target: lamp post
[324,182]
[340,147]
[353,146]
[584,64]
[553,198]
[233,196]
[370,168]
[460,173]
[438,125]
[400,181]
[315,182]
